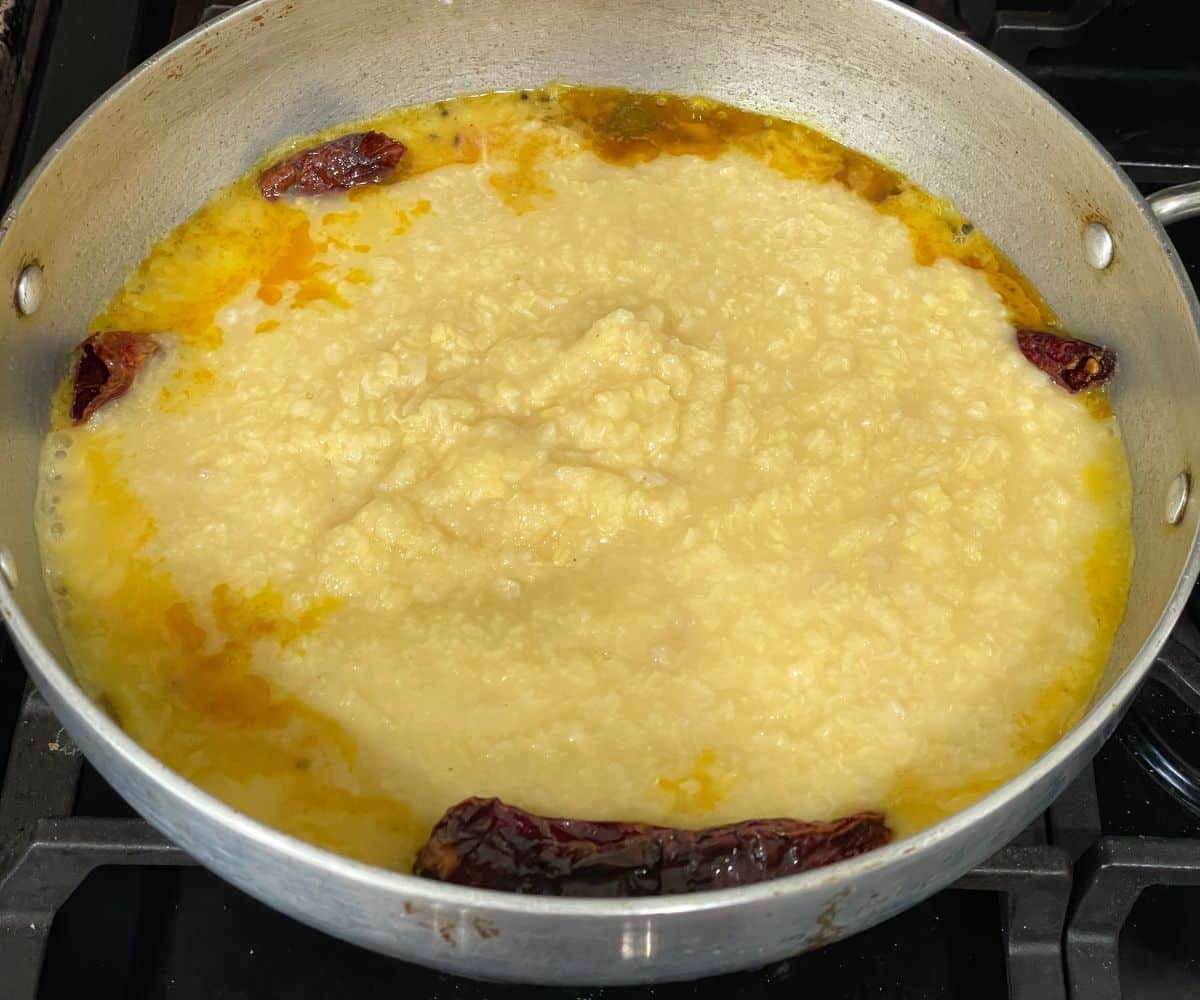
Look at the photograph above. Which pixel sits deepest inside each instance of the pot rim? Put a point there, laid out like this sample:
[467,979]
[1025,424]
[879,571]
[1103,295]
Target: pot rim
[52,674]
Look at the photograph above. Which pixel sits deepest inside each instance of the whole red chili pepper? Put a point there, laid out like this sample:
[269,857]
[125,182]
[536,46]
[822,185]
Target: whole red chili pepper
[1073,364]
[488,844]
[107,365]
[337,165]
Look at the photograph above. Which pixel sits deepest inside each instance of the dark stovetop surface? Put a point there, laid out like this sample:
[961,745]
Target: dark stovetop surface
[178,932]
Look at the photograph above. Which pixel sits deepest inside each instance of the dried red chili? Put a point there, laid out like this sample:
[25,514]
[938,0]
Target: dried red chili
[1073,364]
[488,844]
[337,165]
[107,365]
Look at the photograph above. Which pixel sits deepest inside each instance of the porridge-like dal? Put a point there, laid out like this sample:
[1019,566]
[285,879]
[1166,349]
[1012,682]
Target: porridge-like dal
[623,457]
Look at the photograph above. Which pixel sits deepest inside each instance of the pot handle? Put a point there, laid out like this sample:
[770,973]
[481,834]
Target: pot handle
[1174,204]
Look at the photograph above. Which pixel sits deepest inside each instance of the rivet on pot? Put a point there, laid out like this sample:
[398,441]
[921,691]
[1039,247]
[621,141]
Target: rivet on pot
[1177,497]
[8,567]
[30,286]
[1097,245]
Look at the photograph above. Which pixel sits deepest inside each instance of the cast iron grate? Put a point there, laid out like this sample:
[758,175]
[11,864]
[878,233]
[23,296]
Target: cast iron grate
[45,850]
[1116,871]
[49,841]
[48,850]
[1013,31]
[1160,730]
[1112,876]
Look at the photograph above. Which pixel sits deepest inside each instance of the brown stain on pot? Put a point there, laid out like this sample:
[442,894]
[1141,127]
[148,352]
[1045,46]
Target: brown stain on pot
[423,916]
[828,929]
[484,928]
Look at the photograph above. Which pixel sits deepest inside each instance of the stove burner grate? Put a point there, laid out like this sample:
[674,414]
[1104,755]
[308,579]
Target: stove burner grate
[50,850]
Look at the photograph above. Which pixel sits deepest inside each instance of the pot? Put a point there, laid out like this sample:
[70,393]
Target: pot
[873,74]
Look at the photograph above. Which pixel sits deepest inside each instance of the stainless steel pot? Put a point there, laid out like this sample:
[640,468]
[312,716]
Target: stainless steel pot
[876,75]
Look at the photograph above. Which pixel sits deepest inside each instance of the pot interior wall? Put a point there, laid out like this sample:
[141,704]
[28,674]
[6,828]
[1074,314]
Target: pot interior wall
[867,72]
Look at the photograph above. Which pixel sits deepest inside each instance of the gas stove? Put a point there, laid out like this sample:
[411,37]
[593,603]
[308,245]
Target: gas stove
[1098,899]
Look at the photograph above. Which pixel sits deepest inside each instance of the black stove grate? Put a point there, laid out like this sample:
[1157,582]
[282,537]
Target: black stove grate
[1014,31]
[95,903]
[1112,877]
[52,849]
[1161,728]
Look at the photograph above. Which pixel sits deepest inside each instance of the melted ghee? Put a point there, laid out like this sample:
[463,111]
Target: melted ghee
[239,237]
[188,690]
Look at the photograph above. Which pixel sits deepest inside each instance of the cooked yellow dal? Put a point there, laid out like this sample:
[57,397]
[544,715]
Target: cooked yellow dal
[684,488]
